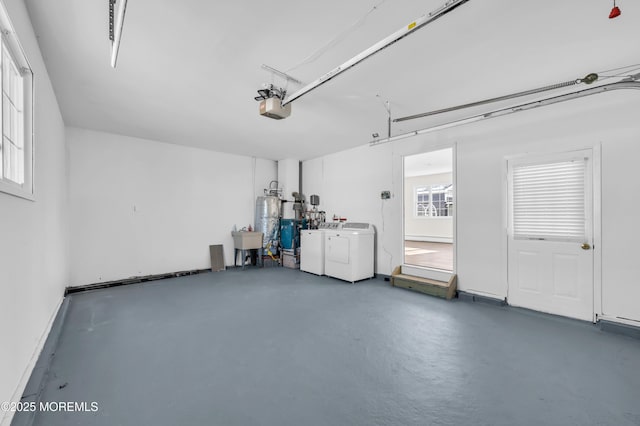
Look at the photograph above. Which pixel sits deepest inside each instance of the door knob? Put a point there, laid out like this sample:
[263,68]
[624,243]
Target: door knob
[585,246]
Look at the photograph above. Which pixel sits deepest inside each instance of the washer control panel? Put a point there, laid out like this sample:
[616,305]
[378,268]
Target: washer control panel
[330,225]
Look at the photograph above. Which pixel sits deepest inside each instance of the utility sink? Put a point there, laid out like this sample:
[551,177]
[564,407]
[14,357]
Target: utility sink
[245,240]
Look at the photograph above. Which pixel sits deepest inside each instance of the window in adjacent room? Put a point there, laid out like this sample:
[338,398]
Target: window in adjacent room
[16,144]
[434,200]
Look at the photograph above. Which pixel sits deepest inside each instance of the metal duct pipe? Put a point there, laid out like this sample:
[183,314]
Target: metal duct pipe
[382,44]
[629,83]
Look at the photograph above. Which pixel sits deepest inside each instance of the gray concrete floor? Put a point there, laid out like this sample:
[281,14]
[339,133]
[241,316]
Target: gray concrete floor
[281,347]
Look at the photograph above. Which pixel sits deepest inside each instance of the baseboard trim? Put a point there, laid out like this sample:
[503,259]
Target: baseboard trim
[38,377]
[619,328]
[132,280]
[426,239]
[471,297]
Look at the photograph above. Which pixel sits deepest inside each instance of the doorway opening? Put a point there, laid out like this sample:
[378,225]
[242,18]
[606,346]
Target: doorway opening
[429,210]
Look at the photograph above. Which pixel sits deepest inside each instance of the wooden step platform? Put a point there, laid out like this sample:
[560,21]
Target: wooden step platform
[444,289]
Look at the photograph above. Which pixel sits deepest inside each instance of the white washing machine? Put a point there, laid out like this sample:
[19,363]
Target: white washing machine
[312,247]
[348,252]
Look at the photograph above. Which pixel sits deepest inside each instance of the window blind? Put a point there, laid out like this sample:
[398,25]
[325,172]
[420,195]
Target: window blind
[549,201]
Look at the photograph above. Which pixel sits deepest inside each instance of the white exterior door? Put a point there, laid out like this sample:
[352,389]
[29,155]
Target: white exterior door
[550,234]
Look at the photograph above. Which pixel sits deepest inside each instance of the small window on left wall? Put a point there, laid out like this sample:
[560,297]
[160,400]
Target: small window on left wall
[16,110]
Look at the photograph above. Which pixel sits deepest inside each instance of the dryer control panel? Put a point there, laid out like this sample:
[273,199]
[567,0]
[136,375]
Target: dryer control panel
[355,225]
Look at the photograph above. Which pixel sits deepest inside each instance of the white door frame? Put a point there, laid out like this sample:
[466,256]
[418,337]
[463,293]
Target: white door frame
[421,271]
[596,152]
[597,231]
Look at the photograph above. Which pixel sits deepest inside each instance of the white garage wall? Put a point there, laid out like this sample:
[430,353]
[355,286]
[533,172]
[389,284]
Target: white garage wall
[621,230]
[608,119]
[439,229]
[34,264]
[349,184]
[288,182]
[141,207]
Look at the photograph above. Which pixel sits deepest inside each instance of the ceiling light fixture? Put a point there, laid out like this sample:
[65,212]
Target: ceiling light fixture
[115,27]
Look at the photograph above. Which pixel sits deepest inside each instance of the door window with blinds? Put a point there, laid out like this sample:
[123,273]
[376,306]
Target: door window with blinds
[548,199]
[16,144]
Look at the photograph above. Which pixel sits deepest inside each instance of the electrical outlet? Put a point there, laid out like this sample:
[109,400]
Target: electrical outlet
[385,195]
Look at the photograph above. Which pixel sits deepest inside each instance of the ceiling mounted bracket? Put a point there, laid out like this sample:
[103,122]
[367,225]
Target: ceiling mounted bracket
[281,74]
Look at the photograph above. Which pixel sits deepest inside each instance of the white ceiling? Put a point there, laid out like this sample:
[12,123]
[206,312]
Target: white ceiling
[188,70]
[429,163]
